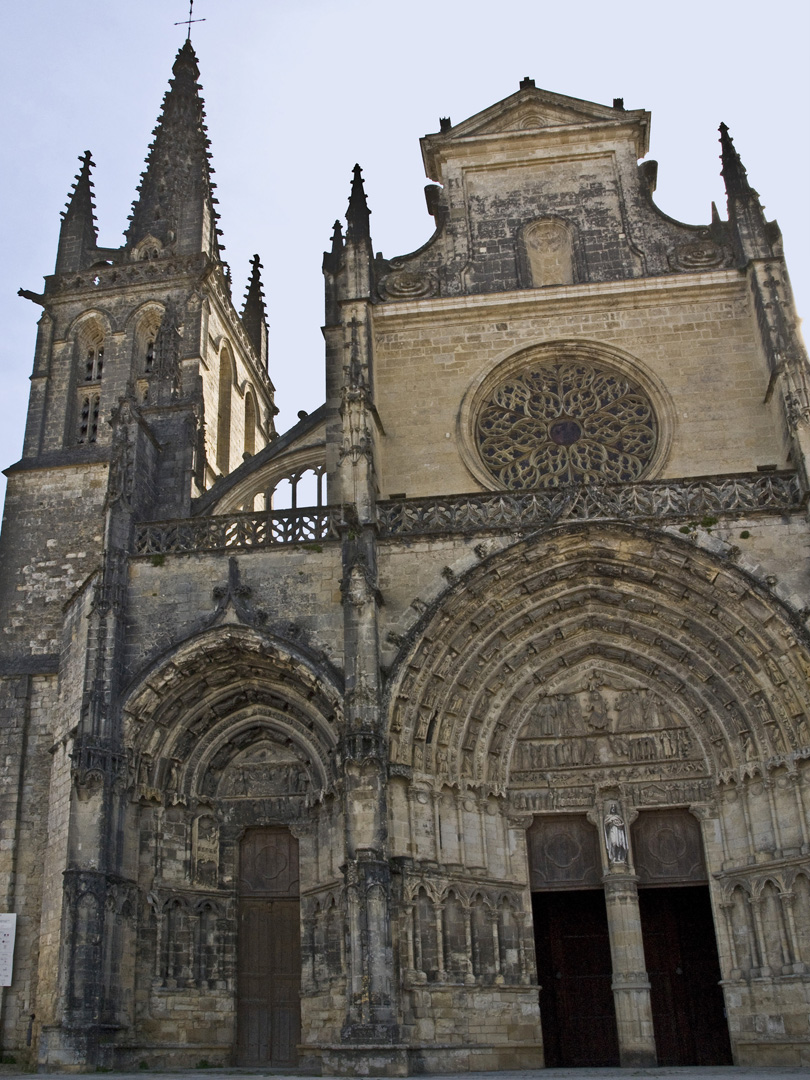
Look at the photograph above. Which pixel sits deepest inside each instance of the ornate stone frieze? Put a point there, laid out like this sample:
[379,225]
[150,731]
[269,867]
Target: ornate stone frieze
[654,500]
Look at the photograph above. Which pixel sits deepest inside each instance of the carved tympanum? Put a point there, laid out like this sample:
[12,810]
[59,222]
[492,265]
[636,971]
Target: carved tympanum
[566,422]
[264,770]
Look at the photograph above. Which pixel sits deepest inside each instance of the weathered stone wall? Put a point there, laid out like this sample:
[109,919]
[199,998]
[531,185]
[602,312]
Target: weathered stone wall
[172,597]
[52,535]
[692,334]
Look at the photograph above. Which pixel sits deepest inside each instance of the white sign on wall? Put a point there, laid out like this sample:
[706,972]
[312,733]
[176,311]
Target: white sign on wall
[8,930]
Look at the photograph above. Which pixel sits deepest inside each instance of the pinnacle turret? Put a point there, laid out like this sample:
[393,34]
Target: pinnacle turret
[733,171]
[175,203]
[754,236]
[78,236]
[358,213]
[254,311]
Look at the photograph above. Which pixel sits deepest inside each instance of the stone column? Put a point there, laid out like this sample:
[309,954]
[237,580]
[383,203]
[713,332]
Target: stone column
[631,985]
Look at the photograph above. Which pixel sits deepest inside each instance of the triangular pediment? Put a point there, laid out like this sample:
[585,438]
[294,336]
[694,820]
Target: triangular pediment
[533,108]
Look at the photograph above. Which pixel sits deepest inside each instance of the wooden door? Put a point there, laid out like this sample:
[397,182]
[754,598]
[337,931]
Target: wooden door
[269,950]
[575,974]
[680,952]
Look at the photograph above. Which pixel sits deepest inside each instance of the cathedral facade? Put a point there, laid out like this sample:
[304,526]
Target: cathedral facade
[490,749]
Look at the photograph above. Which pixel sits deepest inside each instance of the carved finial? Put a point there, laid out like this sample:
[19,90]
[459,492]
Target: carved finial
[527,83]
[444,124]
[78,235]
[337,238]
[254,312]
[358,212]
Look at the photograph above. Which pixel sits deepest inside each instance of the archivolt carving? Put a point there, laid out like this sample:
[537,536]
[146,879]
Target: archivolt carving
[644,658]
[232,715]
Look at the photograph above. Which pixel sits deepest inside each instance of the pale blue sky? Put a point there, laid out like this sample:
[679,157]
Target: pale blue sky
[297,92]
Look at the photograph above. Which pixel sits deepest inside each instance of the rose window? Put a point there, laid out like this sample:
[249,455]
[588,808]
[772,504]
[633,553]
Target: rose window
[566,422]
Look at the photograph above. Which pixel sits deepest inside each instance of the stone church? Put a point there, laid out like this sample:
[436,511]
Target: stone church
[466,724]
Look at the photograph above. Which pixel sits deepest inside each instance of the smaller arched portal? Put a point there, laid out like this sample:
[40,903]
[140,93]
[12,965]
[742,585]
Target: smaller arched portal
[232,741]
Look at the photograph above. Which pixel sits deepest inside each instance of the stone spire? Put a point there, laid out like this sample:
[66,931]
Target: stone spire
[175,203]
[78,236]
[254,312]
[733,171]
[358,212]
[754,236]
[332,258]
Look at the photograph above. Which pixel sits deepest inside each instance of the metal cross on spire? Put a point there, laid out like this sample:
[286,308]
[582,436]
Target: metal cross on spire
[189,20]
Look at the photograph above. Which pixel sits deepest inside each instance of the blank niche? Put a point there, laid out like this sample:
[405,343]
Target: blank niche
[548,257]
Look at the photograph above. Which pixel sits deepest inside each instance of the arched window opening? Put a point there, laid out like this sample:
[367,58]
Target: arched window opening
[224,412]
[94,363]
[90,352]
[144,354]
[89,405]
[425,939]
[548,253]
[250,424]
[304,488]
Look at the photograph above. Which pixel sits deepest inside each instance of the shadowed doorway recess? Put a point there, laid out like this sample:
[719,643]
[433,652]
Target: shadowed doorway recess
[269,949]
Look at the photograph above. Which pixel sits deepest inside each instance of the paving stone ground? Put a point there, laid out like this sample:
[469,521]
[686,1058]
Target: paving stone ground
[710,1073]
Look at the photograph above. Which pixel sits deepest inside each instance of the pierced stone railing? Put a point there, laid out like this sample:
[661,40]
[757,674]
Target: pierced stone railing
[310,525]
[648,500]
[651,500]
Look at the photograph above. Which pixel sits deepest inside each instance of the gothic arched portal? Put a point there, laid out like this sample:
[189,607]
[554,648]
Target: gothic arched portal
[232,741]
[606,675]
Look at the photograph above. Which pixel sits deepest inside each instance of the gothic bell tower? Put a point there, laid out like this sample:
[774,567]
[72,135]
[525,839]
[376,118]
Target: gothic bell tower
[148,385]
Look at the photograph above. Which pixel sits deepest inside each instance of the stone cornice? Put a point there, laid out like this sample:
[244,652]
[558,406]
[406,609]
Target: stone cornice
[610,294]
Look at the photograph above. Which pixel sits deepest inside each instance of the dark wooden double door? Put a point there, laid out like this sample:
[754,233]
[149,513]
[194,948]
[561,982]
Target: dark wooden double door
[269,950]
[575,974]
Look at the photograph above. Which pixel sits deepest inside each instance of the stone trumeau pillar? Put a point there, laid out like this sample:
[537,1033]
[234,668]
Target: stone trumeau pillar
[631,984]
[371,1006]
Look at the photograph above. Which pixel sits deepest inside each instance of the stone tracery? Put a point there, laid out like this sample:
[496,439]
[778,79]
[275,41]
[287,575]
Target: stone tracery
[564,422]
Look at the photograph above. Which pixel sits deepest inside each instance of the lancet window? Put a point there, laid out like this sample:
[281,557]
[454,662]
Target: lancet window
[89,405]
[224,412]
[94,363]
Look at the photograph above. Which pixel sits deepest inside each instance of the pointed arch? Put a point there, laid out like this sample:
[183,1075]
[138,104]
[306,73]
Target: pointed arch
[228,703]
[642,607]
[145,322]
[250,423]
[227,380]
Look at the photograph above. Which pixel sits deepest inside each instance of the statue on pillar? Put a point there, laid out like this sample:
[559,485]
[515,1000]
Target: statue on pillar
[615,835]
